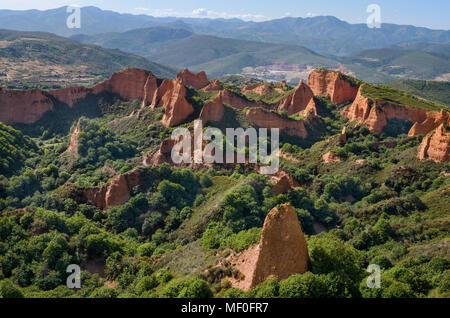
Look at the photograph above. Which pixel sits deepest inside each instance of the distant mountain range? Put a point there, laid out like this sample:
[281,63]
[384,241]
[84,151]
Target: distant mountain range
[326,35]
[287,48]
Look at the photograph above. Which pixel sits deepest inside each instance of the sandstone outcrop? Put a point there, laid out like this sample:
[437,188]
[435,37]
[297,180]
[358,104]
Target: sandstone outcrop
[436,145]
[238,102]
[283,182]
[257,88]
[28,106]
[376,114]
[298,101]
[332,84]
[212,110]
[281,252]
[269,119]
[130,84]
[73,144]
[172,96]
[162,155]
[115,193]
[331,157]
[343,136]
[197,81]
[213,86]
[23,106]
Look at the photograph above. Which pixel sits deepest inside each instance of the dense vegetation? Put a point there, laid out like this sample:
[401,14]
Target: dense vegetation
[434,91]
[378,205]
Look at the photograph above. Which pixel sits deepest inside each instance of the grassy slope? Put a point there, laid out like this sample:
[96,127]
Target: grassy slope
[431,90]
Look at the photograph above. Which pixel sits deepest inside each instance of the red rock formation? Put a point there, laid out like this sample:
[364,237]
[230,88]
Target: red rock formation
[197,81]
[436,145]
[115,193]
[283,182]
[343,136]
[70,95]
[212,110]
[376,115]
[268,119]
[162,155]
[73,145]
[129,84]
[281,252]
[332,84]
[298,101]
[330,157]
[20,106]
[236,101]
[173,99]
[213,86]
[432,121]
[257,88]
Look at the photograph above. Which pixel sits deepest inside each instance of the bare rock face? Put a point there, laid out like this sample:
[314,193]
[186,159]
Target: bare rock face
[115,193]
[70,95]
[332,84]
[73,145]
[236,101]
[197,81]
[213,86]
[129,84]
[162,155]
[283,182]
[281,252]
[330,157]
[17,106]
[258,88]
[376,114]
[172,96]
[23,106]
[436,145]
[268,119]
[213,110]
[432,121]
[343,136]
[302,98]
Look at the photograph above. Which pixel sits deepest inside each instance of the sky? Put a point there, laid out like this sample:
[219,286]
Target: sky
[427,13]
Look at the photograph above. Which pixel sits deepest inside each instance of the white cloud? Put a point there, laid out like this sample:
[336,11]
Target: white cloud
[310,15]
[203,13]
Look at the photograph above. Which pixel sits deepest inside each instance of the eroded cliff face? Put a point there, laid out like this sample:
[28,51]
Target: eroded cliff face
[115,193]
[258,88]
[213,86]
[197,81]
[376,114]
[28,106]
[302,98]
[23,106]
[332,84]
[212,110]
[172,96]
[283,182]
[268,119]
[281,252]
[436,145]
[129,84]
[236,101]
[73,144]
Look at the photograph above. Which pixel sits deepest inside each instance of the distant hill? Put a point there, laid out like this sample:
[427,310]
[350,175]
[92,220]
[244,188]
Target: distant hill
[404,63]
[434,91]
[326,35]
[44,60]
[217,56]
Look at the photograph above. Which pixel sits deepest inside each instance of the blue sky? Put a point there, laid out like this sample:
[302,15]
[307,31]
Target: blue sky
[429,13]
